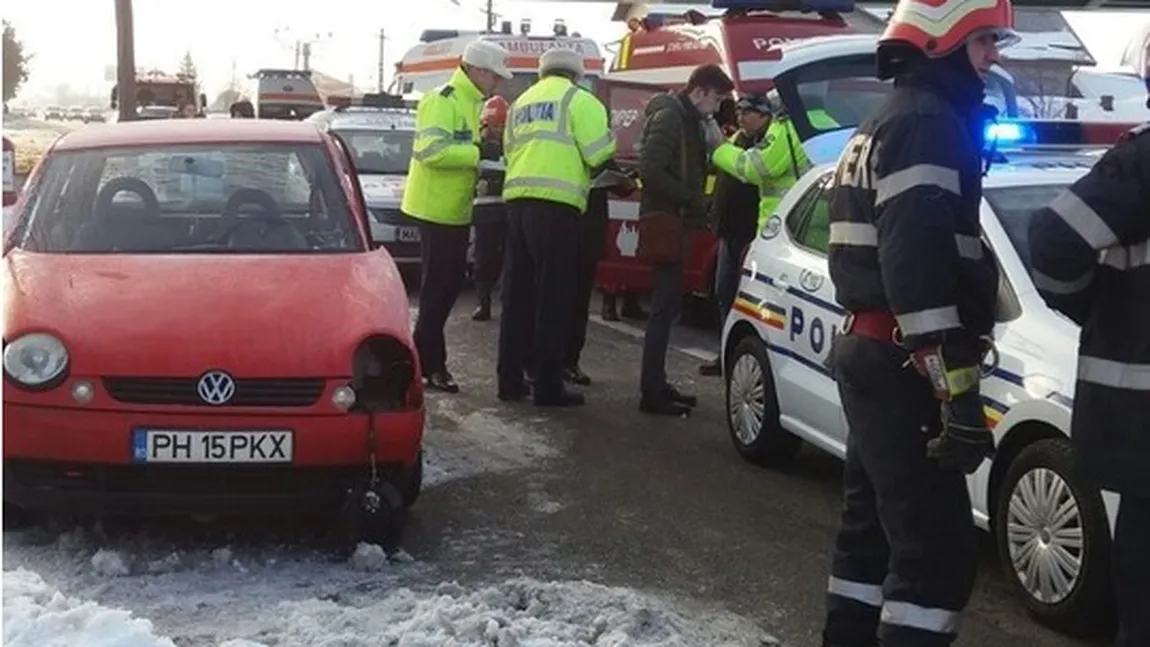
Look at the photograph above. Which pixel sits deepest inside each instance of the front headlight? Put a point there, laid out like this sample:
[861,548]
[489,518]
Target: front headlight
[35,360]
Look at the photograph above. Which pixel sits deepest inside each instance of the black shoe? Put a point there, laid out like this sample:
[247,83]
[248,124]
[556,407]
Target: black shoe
[663,405]
[682,398]
[482,312]
[515,393]
[609,313]
[632,309]
[713,368]
[575,375]
[561,399]
[442,381]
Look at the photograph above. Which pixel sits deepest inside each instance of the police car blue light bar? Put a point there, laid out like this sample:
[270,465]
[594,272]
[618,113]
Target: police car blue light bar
[1050,134]
[821,6]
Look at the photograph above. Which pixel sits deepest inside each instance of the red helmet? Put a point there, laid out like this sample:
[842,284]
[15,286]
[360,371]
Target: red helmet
[494,112]
[938,27]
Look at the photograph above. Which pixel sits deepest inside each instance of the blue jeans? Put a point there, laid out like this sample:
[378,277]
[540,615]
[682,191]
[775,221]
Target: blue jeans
[728,273]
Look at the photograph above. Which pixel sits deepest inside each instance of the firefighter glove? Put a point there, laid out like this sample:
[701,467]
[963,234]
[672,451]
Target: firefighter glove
[966,439]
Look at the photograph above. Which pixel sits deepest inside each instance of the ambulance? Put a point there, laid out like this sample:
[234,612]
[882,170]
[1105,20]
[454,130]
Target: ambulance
[813,53]
[286,94]
[432,62]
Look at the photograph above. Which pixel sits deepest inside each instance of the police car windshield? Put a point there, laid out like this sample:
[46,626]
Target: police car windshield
[221,199]
[382,152]
[1015,206]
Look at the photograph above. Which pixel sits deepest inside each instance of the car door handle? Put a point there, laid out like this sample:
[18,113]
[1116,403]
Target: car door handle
[781,283]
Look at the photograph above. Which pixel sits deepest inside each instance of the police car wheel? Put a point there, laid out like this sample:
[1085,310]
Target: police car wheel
[753,408]
[1053,539]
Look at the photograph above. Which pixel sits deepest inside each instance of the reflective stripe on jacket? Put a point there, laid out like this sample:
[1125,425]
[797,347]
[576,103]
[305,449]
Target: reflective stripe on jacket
[774,165]
[557,132]
[442,173]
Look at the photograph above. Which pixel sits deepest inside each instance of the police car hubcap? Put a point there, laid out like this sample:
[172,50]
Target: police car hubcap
[1045,535]
[746,401]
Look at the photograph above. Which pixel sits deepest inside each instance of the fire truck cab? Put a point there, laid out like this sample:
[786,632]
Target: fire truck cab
[815,54]
[432,62]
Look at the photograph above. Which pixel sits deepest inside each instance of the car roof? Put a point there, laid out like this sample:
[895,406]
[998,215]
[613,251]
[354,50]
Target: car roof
[189,131]
[369,118]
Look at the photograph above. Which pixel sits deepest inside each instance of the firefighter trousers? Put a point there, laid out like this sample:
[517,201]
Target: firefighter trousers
[538,296]
[1132,571]
[906,554]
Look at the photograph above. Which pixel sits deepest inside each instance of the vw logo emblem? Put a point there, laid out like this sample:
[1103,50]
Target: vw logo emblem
[216,387]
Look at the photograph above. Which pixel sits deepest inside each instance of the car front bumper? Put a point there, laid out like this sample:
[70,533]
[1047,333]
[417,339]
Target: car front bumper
[81,461]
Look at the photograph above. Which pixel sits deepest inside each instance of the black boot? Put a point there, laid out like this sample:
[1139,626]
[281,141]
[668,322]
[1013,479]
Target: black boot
[609,313]
[575,375]
[632,309]
[663,404]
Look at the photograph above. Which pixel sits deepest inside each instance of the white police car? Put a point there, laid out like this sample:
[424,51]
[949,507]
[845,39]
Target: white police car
[380,131]
[1051,528]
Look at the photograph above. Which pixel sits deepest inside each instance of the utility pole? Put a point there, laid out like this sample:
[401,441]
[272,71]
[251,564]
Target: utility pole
[490,16]
[382,39]
[126,61]
[295,66]
[306,55]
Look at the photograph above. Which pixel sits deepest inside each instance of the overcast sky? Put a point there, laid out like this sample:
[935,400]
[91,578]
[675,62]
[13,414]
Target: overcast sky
[74,41]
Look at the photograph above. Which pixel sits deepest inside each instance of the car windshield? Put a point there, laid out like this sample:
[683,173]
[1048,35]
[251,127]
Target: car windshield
[841,92]
[1015,207]
[383,152]
[225,199]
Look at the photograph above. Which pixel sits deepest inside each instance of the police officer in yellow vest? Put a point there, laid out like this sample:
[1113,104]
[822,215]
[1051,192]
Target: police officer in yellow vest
[775,164]
[556,134]
[440,187]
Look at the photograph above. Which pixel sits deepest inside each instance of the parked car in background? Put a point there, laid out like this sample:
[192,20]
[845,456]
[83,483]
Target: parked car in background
[380,131]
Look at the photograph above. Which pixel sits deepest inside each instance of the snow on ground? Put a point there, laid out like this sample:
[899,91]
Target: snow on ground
[516,613]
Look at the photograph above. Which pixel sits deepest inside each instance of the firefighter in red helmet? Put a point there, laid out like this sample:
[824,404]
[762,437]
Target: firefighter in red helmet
[919,287]
[489,214]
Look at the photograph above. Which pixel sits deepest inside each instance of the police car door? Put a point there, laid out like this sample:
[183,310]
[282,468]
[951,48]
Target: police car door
[807,392]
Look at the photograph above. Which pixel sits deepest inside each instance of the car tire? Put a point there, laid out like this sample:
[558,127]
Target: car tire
[753,407]
[1084,604]
[413,482]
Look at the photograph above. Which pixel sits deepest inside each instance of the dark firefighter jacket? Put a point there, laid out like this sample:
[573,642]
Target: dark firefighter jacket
[904,232]
[735,207]
[1090,256]
[488,205]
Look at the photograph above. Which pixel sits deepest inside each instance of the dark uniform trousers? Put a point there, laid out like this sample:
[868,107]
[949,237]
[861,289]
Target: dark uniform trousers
[592,231]
[443,255]
[490,222]
[538,293]
[905,557]
[1131,563]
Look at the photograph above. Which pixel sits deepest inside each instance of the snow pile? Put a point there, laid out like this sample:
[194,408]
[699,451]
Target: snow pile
[37,615]
[110,563]
[518,613]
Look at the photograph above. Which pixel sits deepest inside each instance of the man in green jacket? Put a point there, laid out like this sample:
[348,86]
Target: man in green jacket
[673,172]
[440,188]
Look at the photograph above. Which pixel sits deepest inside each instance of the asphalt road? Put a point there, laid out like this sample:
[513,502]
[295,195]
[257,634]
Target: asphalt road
[632,500]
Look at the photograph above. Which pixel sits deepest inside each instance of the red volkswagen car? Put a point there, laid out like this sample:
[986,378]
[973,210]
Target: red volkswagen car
[195,321]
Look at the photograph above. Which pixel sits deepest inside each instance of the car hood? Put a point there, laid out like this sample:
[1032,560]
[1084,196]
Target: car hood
[179,315]
[383,191]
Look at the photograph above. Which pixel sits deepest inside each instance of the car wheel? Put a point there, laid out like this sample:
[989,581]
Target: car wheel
[753,408]
[413,484]
[1053,539]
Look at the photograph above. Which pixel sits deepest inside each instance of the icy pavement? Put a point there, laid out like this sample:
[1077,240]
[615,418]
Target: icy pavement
[171,584]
